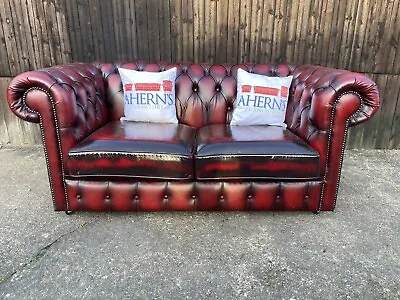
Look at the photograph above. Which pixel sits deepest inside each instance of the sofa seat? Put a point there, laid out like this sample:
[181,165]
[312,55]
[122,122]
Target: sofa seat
[256,152]
[133,149]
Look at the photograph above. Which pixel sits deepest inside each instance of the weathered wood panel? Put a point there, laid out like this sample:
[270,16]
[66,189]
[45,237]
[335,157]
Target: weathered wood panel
[383,130]
[363,36]
[233,25]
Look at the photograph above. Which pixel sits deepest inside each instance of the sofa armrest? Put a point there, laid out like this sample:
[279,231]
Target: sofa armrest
[69,103]
[325,103]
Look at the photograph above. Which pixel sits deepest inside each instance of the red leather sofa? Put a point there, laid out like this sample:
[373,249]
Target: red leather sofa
[96,162]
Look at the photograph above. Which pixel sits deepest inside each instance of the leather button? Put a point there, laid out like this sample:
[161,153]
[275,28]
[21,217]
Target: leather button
[165,200]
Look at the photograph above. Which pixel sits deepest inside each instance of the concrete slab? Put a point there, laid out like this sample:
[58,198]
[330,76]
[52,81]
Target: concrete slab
[353,253]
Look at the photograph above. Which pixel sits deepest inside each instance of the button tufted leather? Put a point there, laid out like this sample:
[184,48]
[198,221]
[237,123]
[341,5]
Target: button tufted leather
[69,102]
[211,195]
[73,101]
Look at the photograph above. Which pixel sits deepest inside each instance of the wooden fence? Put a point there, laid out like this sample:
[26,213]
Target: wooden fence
[363,36]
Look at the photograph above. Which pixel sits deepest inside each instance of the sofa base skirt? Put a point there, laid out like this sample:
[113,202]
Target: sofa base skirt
[85,195]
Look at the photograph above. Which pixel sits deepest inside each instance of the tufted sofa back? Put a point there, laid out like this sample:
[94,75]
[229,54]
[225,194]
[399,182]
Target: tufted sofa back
[204,93]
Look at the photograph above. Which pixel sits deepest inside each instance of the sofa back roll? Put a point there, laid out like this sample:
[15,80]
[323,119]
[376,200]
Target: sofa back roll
[204,93]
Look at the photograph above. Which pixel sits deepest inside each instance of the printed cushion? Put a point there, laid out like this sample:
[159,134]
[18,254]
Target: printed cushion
[261,100]
[149,96]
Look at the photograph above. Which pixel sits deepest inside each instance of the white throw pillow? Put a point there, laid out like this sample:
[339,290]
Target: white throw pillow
[257,133]
[149,96]
[260,100]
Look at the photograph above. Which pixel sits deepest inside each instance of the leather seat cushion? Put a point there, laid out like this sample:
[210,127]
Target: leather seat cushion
[253,152]
[134,149]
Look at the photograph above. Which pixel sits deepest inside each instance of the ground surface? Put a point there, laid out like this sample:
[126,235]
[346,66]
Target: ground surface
[353,253]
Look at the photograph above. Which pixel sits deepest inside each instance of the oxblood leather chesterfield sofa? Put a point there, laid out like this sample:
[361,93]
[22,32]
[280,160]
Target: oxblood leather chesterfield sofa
[96,162]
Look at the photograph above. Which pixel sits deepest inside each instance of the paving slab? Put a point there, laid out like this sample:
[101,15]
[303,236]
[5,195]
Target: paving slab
[352,253]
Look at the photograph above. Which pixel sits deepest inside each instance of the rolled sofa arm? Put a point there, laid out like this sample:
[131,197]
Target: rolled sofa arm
[69,103]
[325,103]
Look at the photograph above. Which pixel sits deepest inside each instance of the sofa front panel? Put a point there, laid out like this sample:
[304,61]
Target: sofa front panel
[192,196]
[205,93]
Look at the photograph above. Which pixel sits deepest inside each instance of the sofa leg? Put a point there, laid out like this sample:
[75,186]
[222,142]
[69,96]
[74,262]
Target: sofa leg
[316,212]
[68,212]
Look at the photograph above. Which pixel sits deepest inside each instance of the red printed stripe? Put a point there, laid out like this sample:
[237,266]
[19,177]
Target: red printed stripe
[167,84]
[284,91]
[155,87]
[264,90]
[128,87]
[246,88]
